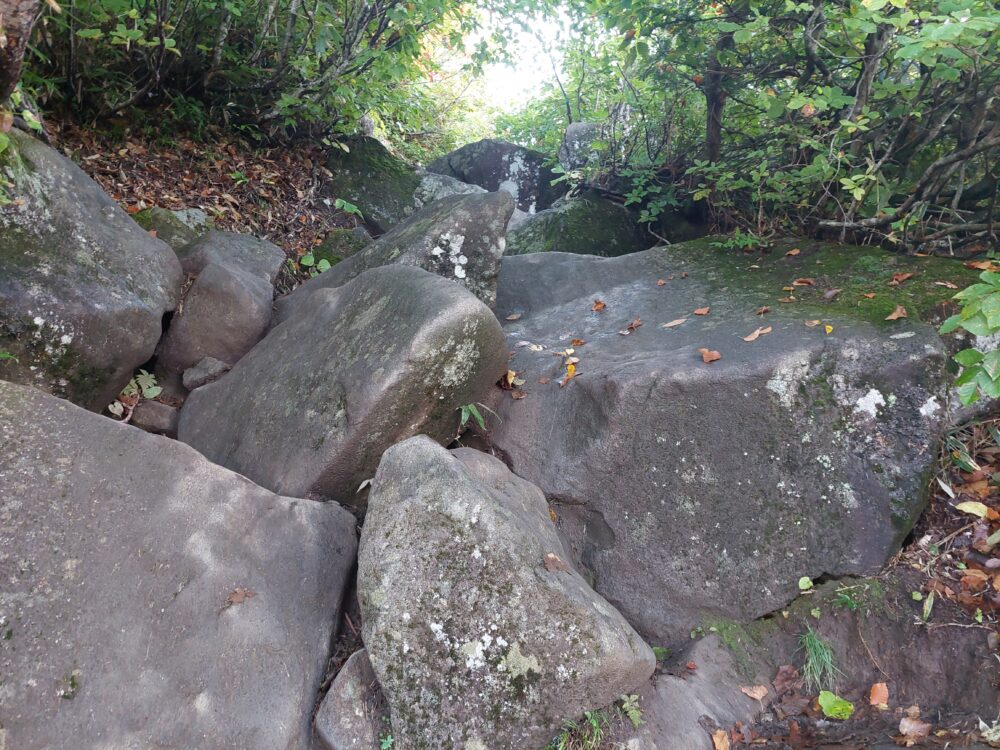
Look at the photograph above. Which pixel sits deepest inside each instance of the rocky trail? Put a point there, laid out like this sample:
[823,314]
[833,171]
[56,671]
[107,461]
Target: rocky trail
[323,450]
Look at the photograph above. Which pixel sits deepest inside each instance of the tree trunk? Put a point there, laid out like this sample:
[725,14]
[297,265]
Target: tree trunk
[17,18]
[715,99]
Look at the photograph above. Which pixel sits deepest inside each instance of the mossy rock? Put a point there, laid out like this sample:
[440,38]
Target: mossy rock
[176,228]
[341,243]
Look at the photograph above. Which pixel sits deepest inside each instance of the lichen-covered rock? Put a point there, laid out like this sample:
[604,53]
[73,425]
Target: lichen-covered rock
[800,452]
[393,353]
[579,145]
[480,631]
[242,252]
[156,417]
[341,243]
[587,224]
[353,714]
[498,165]
[176,228]
[203,373]
[225,312]
[461,238]
[384,187]
[149,598]
[83,288]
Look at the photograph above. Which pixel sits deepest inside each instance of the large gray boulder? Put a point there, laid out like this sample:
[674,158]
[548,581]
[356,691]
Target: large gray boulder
[149,598]
[800,452]
[83,289]
[460,238]
[393,353]
[587,224]
[498,165]
[480,631]
[384,187]
[242,252]
[225,312]
[579,145]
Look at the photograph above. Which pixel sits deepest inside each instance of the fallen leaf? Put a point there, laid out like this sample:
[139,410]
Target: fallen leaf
[513,316]
[554,563]
[788,288]
[757,692]
[913,728]
[544,381]
[982,265]
[507,380]
[786,679]
[946,284]
[684,275]
[674,323]
[570,374]
[708,355]
[762,310]
[553,516]
[812,323]
[899,312]
[830,294]
[793,251]
[833,706]
[598,305]
[828,329]
[804,282]
[869,295]
[899,278]
[691,666]
[631,327]
[702,311]
[661,282]
[787,299]
[879,696]
[517,395]
[578,342]
[757,334]
[973,508]
[720,740]
[239,595]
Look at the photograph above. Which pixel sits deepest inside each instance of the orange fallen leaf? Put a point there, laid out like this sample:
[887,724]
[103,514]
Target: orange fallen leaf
[631,327]
[788,288]
[578,342]
[709,355]
[513,316]
[702,311]
[720,740]
[570,374]
[553,516]
[982,265]
[804,282]
[757,692]
[899,312]
[661,282]
[899,278]
[879,696]
[869,295]
[762,310]
[691,665]
[674,323]
[813,323]
[787,299]
[757,334]
[598,305]
[793,251]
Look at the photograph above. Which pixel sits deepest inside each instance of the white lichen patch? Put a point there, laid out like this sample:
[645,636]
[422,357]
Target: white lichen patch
[870,403]
[930,407]
[785,380]
[517,664]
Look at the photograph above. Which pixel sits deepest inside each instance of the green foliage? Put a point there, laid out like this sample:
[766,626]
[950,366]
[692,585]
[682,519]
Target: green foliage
[471,411]
[385,742]
[835,707]
[349,208]
[980,316]
[143,385]
[661,652]
[629,705]
[819,670]
[5,355]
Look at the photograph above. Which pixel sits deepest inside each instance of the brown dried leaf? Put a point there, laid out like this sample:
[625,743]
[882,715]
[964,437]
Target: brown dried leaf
[879,696]
[554,563]
[598,305]
[787,299]
[869,295]
[762,310]
[577,342]
[674,323]
[544,381]
[793,251]
[709,355]
[899,312]
[913,728]
[239,595]
[946,284]
[804,282]
[702,311]
[757,692]
[661,282]
[899,278]
[513,316]
[517,395]
[757,334]
[631,327]
[720,740]
[812,323]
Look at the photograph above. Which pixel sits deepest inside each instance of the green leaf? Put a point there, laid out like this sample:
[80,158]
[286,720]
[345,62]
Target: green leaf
[89,33]
[835,707]
[969,357]
[308,260]
[805,583]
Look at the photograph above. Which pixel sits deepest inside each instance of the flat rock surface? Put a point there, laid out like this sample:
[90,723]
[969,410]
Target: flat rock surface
[83,288]
[798,453]
[393,353]
[480,631]
[149,598]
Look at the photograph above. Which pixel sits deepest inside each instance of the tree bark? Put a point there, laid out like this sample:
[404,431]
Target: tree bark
[17,18]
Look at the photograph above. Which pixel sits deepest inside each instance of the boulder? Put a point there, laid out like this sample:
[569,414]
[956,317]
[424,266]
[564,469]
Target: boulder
[479,629]
[83,289]
[149,598]
[353,714]
[176,228]
[224,313]
[587,224]
[203,373]
[241,252]
[384,187]
[801,451]
[156,417]
[393,353]
[498,165]
[341,243]
[461,238]
[578,148]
